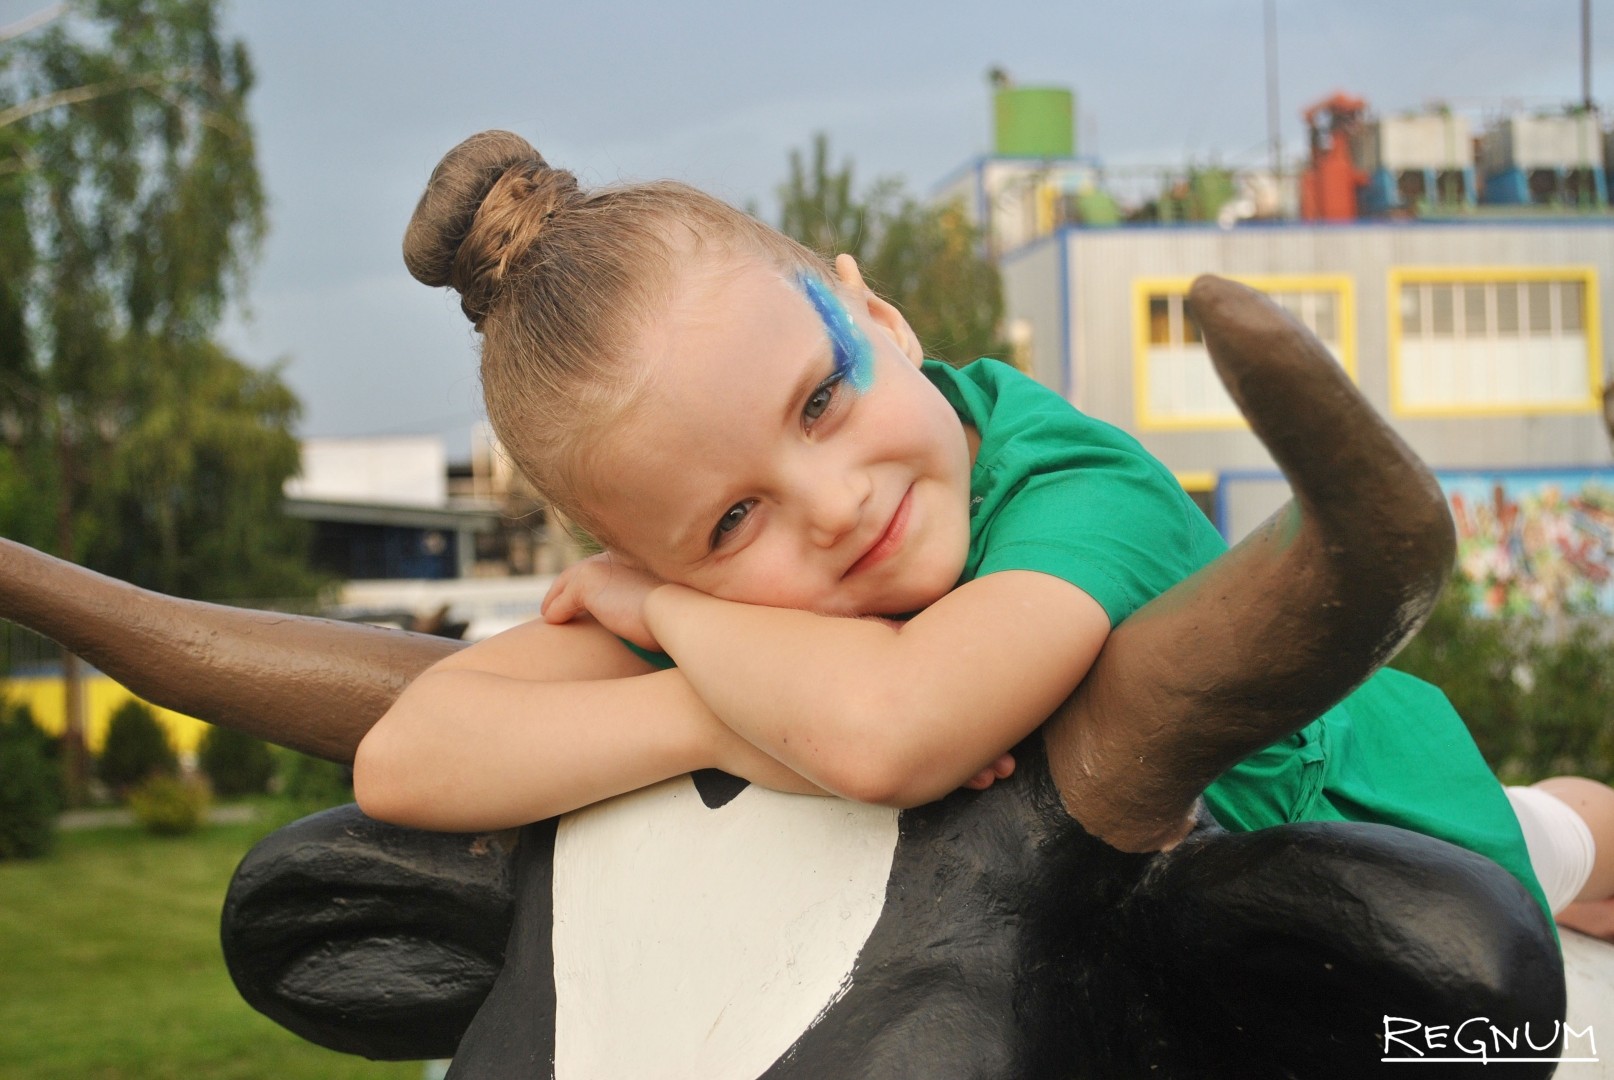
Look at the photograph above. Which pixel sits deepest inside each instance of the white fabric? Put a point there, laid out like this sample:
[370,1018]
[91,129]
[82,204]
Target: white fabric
[1559,841]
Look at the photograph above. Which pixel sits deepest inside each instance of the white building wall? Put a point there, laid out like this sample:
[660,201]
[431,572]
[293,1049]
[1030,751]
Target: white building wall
[1034,312]
[403,470]
[1103,264]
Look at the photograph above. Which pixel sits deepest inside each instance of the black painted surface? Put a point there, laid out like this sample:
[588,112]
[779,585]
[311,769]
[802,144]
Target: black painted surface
[368,938]
[1011,945]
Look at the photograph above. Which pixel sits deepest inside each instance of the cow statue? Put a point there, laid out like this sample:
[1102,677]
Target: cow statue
[704,928]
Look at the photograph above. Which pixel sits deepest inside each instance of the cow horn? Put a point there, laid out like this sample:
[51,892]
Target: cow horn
[1269,636]
[315,685]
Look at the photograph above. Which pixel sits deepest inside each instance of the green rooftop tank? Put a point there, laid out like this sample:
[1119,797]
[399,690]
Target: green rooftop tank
[1035,121]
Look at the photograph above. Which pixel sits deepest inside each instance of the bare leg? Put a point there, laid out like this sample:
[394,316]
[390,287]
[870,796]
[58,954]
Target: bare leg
[1593,909]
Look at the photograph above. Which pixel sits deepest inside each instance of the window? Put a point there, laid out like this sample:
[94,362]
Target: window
[1482,341]
[1176,386]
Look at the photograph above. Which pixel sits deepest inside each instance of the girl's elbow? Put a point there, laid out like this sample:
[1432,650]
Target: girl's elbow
[899,766]
[898,788]
[864,782]
[876,771]
[376,785]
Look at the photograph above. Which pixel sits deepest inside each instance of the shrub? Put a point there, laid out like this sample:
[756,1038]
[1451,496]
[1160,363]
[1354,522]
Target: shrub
[1536,697]
[1569,705]
[168,806]
[136,747]
[1476,661]
[235,763]
[30,786]
[314,783]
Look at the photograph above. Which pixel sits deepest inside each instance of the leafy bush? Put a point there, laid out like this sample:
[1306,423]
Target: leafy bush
[314,783]
[168,806]
[136,747]
[1475,660]
[1536,696]
[1570,703]
[30,786]
[235,763]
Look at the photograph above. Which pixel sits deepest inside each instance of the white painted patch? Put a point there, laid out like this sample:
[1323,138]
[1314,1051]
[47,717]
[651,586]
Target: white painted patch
[699,944]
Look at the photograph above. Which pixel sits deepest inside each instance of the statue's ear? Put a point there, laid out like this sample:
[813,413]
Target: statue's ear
[1296,950]
[368,938]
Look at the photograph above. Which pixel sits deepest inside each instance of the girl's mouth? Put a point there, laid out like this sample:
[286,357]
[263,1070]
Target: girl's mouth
[889,540]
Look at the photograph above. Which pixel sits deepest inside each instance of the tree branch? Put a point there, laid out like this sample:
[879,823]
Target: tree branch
[32,22]
[78,94]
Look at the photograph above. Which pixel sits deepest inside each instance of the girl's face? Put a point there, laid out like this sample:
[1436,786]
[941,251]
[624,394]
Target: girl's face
[787,451]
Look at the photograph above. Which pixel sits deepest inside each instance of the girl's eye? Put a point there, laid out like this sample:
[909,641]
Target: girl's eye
[822,397]
[732,519]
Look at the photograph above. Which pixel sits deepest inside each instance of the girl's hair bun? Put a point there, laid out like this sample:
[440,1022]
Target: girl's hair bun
[484,206]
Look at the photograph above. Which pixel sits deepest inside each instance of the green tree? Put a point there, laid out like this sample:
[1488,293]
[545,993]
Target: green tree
[1534,694]
[819,206]
[130,206]
[30,788]
[1476,661]
[136,747]
[235,763]
[927,259]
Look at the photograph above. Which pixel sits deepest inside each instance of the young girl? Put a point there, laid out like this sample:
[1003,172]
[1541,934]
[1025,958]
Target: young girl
[876,574]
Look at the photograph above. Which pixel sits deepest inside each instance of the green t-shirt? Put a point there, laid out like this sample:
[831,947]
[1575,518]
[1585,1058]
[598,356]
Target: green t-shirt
[1058,492]
[1062,493]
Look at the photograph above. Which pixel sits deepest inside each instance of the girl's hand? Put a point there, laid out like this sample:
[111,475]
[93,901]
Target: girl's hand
[1001,769]
[610,590]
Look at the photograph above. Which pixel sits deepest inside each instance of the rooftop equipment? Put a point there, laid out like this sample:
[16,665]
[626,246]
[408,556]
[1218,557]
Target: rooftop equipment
[1418,161]
[1328,188]
[1545,160]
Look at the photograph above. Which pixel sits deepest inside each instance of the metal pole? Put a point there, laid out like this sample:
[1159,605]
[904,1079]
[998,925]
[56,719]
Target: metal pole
[1274,138]
[1586,53]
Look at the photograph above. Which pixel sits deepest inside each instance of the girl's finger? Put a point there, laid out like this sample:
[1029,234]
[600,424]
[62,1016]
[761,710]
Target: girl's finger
[556,587]
[561,606]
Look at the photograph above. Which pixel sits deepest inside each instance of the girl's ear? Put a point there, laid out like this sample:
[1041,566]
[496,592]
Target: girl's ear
[881,311]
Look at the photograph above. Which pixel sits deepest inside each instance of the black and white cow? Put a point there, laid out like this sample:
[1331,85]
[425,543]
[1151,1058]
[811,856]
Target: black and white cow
[689,932]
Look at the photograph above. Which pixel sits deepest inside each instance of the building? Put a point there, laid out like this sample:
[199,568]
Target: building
[465,550]
[380,509]
[1477,335]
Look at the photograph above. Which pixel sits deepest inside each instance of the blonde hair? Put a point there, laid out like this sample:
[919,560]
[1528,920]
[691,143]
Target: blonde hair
[559,282]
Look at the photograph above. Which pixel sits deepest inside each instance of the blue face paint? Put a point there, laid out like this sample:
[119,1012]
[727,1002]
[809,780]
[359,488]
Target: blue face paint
[854,356]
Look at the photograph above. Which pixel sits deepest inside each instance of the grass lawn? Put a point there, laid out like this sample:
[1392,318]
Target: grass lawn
[110,968]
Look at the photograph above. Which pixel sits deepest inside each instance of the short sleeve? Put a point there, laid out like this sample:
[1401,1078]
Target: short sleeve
[1113,523]
[1059,492]
[657,659]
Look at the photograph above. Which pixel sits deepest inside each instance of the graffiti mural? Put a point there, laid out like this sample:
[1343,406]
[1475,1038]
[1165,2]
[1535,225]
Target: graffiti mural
[1536,543]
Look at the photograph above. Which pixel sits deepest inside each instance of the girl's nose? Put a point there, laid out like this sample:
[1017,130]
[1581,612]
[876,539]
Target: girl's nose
[835,508]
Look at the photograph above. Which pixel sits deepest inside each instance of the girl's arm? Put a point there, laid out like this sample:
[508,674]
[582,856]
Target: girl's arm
[537,721]
[898,714]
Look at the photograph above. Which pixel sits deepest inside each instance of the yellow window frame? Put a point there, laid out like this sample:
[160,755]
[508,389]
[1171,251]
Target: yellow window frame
[1343,286]
[1498,275]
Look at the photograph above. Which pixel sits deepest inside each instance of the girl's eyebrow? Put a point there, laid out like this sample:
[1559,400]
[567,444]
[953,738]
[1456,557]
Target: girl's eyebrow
[854,358]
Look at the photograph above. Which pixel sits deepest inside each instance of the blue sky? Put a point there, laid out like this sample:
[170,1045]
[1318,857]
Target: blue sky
[357,100]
